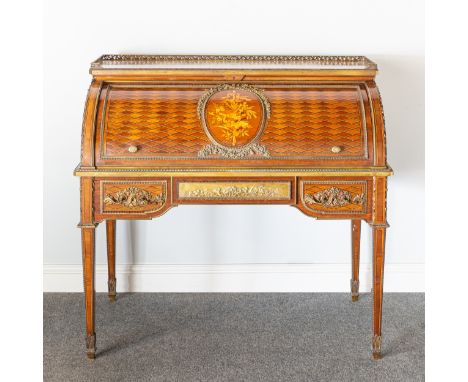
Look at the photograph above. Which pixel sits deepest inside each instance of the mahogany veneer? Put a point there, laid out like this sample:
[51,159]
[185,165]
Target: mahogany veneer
[162,131]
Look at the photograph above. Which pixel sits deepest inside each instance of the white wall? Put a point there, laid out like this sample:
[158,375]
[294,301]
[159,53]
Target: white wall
[389,32]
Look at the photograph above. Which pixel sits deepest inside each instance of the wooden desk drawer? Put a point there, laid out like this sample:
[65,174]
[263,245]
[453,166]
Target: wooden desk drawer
[242,191]
[335,197]
[129,197]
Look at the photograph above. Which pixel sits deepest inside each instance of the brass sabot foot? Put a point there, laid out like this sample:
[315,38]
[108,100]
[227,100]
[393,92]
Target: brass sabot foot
[354,290]
[376,347]
[112,283]
[91,346]
[376,355]
[91,355]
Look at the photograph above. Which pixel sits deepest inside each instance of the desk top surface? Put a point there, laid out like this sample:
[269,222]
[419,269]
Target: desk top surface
[235,62]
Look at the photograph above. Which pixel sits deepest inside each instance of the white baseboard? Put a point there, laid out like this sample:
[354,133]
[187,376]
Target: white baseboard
[234,278]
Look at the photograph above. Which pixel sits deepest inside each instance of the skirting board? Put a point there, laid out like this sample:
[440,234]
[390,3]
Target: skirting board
[234,278]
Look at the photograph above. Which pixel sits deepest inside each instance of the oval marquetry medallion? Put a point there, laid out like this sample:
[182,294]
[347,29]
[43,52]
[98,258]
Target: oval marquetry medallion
[233,117]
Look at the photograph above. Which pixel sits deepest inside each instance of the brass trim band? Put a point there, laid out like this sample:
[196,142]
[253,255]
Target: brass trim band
[380,225]
[88,225]
[222,171]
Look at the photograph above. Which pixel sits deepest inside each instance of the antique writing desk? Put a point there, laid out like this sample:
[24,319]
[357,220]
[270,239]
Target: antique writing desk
[161,131]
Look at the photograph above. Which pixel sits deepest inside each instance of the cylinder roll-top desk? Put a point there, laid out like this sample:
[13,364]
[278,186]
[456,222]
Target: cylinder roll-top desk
[163,131]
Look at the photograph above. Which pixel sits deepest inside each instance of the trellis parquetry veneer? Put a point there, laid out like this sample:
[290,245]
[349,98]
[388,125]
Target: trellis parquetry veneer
[162,131]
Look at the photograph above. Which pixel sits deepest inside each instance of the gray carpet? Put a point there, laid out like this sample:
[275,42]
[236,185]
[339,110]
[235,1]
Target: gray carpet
[234,337]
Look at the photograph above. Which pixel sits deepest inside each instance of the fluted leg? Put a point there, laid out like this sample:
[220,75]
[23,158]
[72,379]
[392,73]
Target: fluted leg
[378,234]
[111,283]
[87,237]
[356,246]
[88,226]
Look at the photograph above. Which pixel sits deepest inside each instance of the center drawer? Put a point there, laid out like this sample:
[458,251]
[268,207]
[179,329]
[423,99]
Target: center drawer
[241,191]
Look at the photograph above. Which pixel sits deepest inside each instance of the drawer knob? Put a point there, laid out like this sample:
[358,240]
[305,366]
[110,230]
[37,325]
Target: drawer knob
[132,149]
[336,149]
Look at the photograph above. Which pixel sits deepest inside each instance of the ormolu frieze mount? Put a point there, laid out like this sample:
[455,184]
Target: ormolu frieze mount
[234,190]
[334,197]
[134,197]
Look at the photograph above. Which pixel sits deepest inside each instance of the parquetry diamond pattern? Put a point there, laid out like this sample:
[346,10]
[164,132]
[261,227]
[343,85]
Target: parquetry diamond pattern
[309,122]
[164,122]
[158,121]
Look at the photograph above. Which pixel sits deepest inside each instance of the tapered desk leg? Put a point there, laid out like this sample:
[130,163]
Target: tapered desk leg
[87,237]
[378,237]
[87,245]
[356,247]
[111,282]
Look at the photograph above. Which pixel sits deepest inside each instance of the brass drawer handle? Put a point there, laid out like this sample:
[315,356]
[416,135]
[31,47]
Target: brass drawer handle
[336,149]
[132,149]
